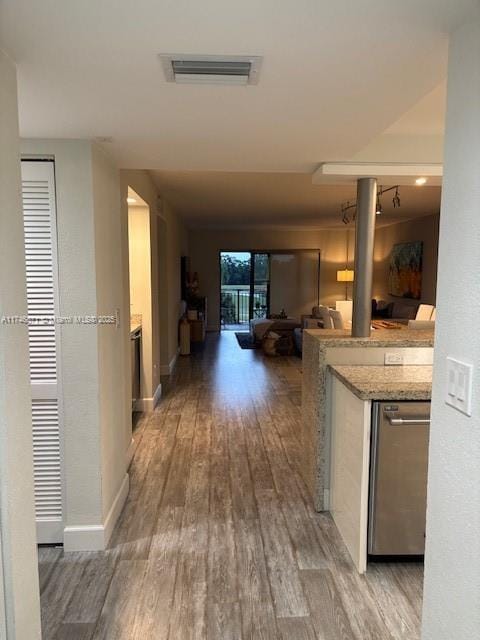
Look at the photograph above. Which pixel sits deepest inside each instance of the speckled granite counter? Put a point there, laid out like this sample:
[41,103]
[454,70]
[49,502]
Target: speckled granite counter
[383,338]
[322,348]
[135,323]
[386,383]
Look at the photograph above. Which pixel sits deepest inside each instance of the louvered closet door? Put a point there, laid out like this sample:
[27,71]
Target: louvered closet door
[38,187]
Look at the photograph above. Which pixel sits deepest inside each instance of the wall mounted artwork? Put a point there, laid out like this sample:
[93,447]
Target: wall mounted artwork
[405,271]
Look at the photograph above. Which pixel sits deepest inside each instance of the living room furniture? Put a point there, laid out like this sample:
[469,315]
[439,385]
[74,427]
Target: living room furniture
[346,309]
[260,326]
[320,318]
[424,312]
[337,319]
[421,325]
[197,330]
[396,311]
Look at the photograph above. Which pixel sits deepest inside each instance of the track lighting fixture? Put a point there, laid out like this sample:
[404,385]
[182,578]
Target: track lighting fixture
[346,207]
[396,199]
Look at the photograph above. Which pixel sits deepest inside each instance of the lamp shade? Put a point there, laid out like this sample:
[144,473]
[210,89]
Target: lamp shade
[345,275]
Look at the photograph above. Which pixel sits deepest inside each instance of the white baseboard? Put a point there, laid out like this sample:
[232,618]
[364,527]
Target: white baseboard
[116,508]
[95,537]
[167,369]
[130,452]
[147,405]
[326,499]
[156,396]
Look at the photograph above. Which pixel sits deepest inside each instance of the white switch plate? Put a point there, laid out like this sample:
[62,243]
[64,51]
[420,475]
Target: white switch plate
[459,385]
[393,358]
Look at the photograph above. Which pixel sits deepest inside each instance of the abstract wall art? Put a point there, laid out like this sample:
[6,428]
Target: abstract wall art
[405,272]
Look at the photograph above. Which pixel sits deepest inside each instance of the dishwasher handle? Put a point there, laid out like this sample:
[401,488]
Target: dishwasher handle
[398,422]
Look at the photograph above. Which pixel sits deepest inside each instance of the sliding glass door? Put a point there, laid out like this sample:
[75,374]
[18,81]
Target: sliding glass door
[259,285]
[255,284]
[245,288]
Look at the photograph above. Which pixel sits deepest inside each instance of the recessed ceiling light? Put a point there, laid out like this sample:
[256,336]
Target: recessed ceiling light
[131,201]
[420,181]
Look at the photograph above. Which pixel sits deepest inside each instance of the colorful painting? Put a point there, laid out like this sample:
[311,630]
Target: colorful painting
[405,273]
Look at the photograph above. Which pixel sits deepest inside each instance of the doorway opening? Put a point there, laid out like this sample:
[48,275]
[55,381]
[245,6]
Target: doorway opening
[244,288]
[141,321]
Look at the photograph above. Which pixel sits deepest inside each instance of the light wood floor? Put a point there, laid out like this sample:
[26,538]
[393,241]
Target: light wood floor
[218,538]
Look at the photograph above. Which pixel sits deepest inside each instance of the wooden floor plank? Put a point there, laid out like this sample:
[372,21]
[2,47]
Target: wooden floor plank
[327,613]
[55,598]
[89,596]
[224,621]
[75,631]
[296,629]
[283,571]
[47,559]
[118,613]
[222,584]
[187,619]
[401,619]
[309,553]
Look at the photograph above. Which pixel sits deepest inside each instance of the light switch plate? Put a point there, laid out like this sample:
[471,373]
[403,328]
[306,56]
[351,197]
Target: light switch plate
[393,358]
[459,385]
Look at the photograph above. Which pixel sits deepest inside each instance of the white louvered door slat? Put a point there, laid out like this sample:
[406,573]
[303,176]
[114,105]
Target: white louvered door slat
[38,190]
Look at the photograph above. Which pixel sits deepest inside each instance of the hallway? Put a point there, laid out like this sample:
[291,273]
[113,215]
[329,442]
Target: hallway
[218,539]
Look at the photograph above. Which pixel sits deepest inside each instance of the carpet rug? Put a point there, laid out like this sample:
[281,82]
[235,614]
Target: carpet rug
[245,340]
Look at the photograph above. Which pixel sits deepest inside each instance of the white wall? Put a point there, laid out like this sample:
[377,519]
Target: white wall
[293,282]
[177,246]
[452,562]
[110,294]
[140,271]
[18,562]
[421,229]
[205,246]
[94,361]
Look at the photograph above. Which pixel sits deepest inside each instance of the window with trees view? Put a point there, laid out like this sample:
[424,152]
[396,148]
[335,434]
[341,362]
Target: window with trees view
[244,287]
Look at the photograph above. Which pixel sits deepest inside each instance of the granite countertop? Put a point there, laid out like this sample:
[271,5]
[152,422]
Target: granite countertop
[379,338]
[409,382]
[135,323]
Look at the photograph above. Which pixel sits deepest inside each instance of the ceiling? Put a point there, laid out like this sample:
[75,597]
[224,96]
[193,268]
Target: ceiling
[235,200]
[339,80]
[334,75]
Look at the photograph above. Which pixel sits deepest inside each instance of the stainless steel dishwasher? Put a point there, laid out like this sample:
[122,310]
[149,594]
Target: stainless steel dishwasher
[398,478]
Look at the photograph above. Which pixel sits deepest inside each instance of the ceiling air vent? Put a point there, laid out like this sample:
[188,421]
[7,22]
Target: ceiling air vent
[211,69]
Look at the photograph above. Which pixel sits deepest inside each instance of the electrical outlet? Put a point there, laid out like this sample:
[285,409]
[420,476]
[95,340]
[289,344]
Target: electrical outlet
[393,358]
[459,385]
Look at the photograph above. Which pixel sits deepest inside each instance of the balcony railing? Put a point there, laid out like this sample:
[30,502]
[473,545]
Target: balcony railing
[235,304]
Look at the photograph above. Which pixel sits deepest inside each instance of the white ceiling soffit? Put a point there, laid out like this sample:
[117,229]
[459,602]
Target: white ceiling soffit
[334,76]
[386,172]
